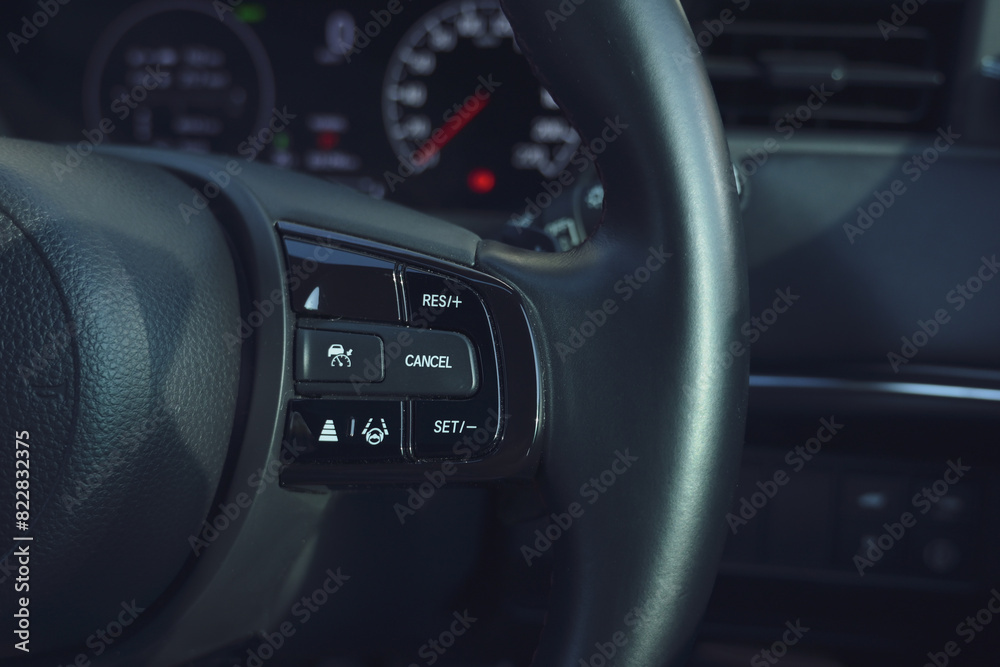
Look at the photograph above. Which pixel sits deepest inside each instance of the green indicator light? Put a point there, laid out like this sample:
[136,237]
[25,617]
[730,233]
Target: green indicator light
[281,141]
[250,13]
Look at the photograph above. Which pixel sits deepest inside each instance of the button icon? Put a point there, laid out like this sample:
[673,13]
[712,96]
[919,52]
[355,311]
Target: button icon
[452,426]
[428,361]
[312,301]
[329,432]
[339,358]
[440,300]
[375,435]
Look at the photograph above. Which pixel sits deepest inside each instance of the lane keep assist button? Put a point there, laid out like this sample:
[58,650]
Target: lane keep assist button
[347,430]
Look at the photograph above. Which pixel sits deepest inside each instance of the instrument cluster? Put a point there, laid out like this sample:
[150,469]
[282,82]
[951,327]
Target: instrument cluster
[427,103]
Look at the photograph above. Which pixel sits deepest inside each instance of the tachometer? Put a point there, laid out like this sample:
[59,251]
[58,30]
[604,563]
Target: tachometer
[466,119]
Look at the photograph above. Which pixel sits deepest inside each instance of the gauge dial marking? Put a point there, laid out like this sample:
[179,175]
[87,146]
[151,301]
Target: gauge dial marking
[442,135]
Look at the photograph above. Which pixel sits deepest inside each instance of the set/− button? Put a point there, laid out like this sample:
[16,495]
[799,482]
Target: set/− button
[454,429]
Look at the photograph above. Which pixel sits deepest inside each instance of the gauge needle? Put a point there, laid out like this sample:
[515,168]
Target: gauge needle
[446,133]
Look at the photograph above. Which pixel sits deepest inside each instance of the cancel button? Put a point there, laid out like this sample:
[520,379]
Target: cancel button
[428,361]
[439,364]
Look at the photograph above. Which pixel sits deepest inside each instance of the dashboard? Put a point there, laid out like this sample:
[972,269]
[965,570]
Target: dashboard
[426,103]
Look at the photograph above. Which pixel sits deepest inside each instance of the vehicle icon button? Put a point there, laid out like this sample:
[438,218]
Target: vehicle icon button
[338,356]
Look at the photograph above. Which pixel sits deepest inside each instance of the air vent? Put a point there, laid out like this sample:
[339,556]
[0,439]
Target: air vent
[868,75]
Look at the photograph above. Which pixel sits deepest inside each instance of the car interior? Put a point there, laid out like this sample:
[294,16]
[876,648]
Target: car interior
[490,333]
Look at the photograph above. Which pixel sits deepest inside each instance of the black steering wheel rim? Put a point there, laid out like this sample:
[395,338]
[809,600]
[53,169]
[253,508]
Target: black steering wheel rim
[669,189]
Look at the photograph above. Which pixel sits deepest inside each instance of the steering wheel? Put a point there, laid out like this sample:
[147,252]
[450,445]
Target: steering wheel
[171,321]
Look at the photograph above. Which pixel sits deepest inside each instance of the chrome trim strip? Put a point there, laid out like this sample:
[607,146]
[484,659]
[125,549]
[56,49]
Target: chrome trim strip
[882,387]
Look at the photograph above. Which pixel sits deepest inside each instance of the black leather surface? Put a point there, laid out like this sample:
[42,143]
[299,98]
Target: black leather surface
[130,409]
[648,380]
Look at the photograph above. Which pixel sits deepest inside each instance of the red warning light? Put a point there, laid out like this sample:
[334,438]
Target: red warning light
[327,140]
[482,180]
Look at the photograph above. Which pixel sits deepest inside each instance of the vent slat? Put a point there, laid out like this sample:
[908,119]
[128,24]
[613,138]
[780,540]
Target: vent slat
[765,68]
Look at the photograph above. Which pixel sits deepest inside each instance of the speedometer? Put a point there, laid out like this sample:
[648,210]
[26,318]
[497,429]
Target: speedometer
[467,121]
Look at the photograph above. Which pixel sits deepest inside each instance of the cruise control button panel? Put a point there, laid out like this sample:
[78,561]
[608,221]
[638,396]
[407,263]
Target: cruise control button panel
[400,367]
